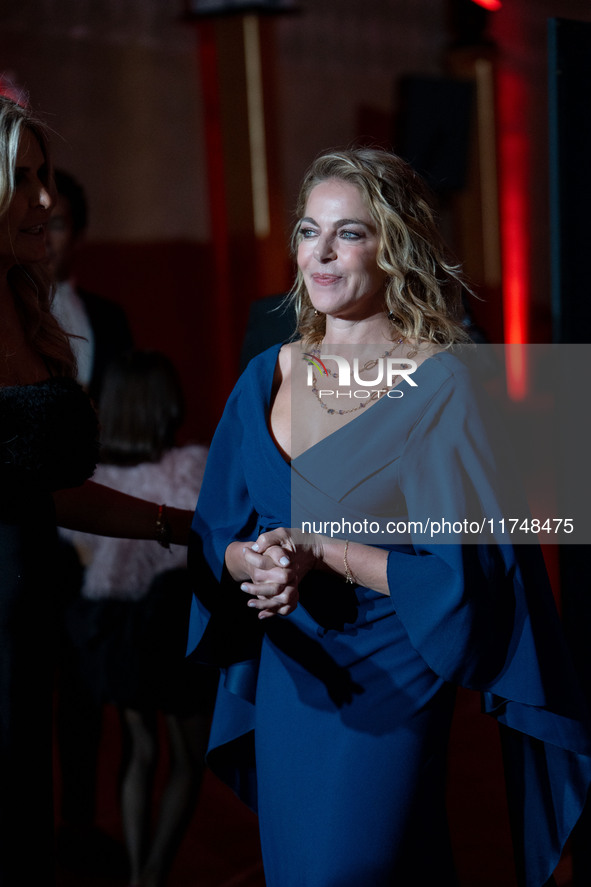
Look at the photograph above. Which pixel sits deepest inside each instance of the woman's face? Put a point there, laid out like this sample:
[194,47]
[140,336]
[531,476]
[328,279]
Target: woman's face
[22,228]
[337,252]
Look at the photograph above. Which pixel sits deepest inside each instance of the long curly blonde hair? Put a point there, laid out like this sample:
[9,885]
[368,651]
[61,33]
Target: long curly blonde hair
[423,295]
[30,283]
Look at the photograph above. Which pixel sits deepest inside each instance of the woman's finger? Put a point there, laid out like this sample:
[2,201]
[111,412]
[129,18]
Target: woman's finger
[280,537]
[282,603]
[278,555]
[265,590]
[275,554]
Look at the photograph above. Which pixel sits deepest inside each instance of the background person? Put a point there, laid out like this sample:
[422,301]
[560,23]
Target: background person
[100,332]
[138,597]
[100,326]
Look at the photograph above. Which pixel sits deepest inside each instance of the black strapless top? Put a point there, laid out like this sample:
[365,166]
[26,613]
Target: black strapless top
[48,435]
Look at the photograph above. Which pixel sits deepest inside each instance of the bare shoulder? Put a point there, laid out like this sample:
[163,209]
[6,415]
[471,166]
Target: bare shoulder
[287,354]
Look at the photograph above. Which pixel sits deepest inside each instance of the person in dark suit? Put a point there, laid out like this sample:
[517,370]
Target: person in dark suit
[270,319]
[100,324]
[101,332]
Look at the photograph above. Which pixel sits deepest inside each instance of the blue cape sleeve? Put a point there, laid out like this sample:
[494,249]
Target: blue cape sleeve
[224,513]
[483,616]
[223,631]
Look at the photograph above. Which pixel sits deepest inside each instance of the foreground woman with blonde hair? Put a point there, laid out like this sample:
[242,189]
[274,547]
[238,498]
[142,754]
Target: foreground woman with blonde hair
[48,449]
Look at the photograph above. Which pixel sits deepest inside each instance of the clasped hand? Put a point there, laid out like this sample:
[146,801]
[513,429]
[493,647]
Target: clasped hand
[276,564]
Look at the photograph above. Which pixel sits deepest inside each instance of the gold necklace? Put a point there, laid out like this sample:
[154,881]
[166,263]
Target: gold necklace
[368,365]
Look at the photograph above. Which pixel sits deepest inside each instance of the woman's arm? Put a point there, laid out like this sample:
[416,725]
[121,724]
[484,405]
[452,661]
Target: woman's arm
[93,508]
[361,564]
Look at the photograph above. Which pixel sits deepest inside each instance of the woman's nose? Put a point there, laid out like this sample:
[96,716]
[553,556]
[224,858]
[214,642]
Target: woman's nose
[40,194]
[324,251]
[44,198]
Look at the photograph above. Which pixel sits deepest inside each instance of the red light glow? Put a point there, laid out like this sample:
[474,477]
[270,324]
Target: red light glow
[491,5]
[514,149]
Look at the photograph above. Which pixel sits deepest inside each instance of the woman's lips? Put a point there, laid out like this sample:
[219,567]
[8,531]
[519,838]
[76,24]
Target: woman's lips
[325,279]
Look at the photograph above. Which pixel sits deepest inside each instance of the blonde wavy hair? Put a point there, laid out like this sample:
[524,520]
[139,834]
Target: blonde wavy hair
[30,283]
[423,295]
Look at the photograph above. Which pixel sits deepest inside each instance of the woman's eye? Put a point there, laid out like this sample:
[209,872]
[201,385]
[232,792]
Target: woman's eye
[350,235]
[307,233]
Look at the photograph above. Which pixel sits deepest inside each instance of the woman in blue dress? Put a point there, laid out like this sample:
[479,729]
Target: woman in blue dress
[341,628]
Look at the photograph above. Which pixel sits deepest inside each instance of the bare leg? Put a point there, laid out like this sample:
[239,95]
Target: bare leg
[137,788]
[188,744]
